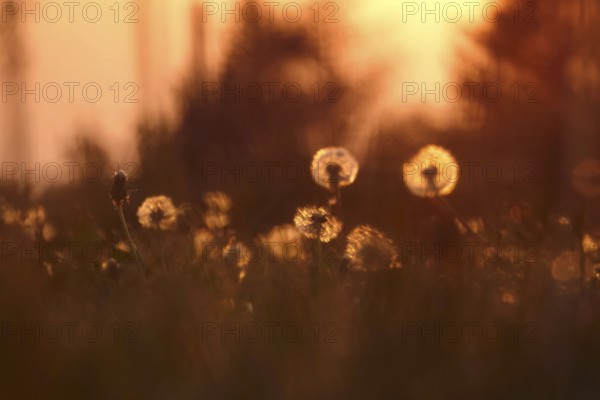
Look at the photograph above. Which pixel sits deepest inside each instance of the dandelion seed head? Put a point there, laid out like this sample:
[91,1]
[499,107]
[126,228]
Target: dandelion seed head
[590,243]
[218,205]
[48,231]
[284,242]
[217,201]
[236,253]
[216,220]
[586,178]
[334,166]
[158,212]
[368,249]
[11,216]
[34,217]
[281,234]
[316,223]
[32,221]
[204,241]
[432,172]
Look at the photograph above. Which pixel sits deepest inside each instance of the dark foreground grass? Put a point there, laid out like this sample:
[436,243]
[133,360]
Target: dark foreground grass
[196,332]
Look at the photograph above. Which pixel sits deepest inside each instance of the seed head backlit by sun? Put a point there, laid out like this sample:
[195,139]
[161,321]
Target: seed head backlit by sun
[204,242]
[432,172]
[370,250]
[158,212]
[283,242]
[317,223]
[334,166]
[217,201]
[218,205]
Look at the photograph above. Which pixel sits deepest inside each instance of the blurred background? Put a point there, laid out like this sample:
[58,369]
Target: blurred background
[386,72]
[159,46]
[375,77]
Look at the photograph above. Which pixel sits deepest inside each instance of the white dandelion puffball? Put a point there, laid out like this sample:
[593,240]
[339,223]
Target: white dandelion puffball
[334,166]
[432,172]
[317,223]
[368,249]
[158,212]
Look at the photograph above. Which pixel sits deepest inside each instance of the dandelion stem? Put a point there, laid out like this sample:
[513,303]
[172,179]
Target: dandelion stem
[317,282]
[443,204]
[578,232]
[161,239]
[336,207]
[130,241]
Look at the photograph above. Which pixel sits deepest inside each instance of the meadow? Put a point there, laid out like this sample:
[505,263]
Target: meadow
[498,305]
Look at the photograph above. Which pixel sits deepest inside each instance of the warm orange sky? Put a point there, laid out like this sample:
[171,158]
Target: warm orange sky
[105,53]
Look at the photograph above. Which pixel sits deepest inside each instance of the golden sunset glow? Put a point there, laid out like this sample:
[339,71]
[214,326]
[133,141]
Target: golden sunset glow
[139,65]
